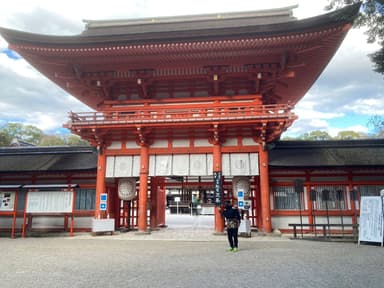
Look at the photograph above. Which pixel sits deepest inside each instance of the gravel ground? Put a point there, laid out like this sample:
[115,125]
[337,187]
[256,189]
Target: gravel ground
[131,260]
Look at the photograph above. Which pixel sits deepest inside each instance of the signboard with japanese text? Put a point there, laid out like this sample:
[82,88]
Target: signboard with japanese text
[371,226]
[50,202]
[217,188]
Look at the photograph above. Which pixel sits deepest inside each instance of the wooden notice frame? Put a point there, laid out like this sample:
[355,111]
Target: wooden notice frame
[48,200]
[8,203]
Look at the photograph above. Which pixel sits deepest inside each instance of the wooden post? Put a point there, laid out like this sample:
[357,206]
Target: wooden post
[217,167]
[24,215]
[264,191]
[100,181]
[257,202]
[143,201]
[154,201]
[15,213]
[73,212]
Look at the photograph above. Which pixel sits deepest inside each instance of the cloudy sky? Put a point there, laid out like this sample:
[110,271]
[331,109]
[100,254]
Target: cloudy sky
[345,96]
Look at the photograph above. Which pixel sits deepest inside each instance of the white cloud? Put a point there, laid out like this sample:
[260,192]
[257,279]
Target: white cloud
[18,66]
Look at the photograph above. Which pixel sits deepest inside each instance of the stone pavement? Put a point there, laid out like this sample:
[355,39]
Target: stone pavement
[191,235]
[186,228]
[186,257]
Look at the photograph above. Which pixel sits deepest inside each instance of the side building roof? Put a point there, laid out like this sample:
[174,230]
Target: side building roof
[282,154]
[47,159]
[344,153]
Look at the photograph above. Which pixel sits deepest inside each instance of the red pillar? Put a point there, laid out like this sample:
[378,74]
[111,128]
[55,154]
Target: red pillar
[217,167]
[161,200]
[100,181]
[144,169]
[264,192]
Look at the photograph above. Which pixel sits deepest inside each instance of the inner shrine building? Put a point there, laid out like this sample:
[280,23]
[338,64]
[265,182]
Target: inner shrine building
[190,101]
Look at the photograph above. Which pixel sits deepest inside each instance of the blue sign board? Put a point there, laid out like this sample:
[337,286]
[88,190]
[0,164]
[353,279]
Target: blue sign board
[103,201]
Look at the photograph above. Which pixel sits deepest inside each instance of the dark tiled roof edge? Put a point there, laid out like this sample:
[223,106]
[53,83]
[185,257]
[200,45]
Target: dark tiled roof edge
[46,150]
[291,144]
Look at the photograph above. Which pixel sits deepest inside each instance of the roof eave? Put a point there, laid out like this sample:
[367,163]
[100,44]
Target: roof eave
[336,18]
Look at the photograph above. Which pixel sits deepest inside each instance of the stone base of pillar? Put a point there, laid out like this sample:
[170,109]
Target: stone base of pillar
[219,233]
[143,232]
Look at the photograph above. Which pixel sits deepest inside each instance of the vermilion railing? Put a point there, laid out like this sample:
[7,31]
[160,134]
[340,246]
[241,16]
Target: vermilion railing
[167,113]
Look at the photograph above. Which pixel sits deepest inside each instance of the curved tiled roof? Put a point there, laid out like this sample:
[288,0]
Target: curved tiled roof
[186,28]
[176,54]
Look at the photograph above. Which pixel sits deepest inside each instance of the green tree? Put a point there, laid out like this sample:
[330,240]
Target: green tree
[28,133]
[347,135]
[5,138]
[378,125]
[51,140]
[315,136]
[74,140]
[35,136]
[371,17]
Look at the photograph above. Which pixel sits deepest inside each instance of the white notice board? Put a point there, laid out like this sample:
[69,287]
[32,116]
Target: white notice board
[7,201]
[371,226]
[50,202]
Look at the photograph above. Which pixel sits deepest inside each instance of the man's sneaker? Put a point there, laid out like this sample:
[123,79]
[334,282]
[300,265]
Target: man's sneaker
[235,249]
[230,250]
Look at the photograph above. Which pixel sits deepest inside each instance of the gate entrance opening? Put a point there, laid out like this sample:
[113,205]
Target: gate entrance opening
[175,201]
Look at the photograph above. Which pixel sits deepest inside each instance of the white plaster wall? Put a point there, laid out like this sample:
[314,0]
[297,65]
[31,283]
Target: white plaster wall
[202,143]
[180,143]
[131,144]
[45,222]
[248,141]
[281,222]
[230,142]
[333,220]
[160,144]
[115,145]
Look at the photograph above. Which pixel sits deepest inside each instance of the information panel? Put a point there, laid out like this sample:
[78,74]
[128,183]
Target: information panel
[50,202]
[371,219]
[7,201]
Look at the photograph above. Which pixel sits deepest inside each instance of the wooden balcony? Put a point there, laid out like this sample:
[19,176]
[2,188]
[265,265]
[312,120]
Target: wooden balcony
[172,115]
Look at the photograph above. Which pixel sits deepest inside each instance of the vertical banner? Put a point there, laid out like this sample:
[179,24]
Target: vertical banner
[217,188]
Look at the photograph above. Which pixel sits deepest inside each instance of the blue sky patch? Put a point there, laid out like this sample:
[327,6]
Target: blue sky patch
[11,54]
[349,120]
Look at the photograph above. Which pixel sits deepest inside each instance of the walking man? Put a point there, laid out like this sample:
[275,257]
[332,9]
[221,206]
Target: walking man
[232,217]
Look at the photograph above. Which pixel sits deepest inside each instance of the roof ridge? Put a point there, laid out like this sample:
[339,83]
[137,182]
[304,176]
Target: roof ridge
[190,18]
